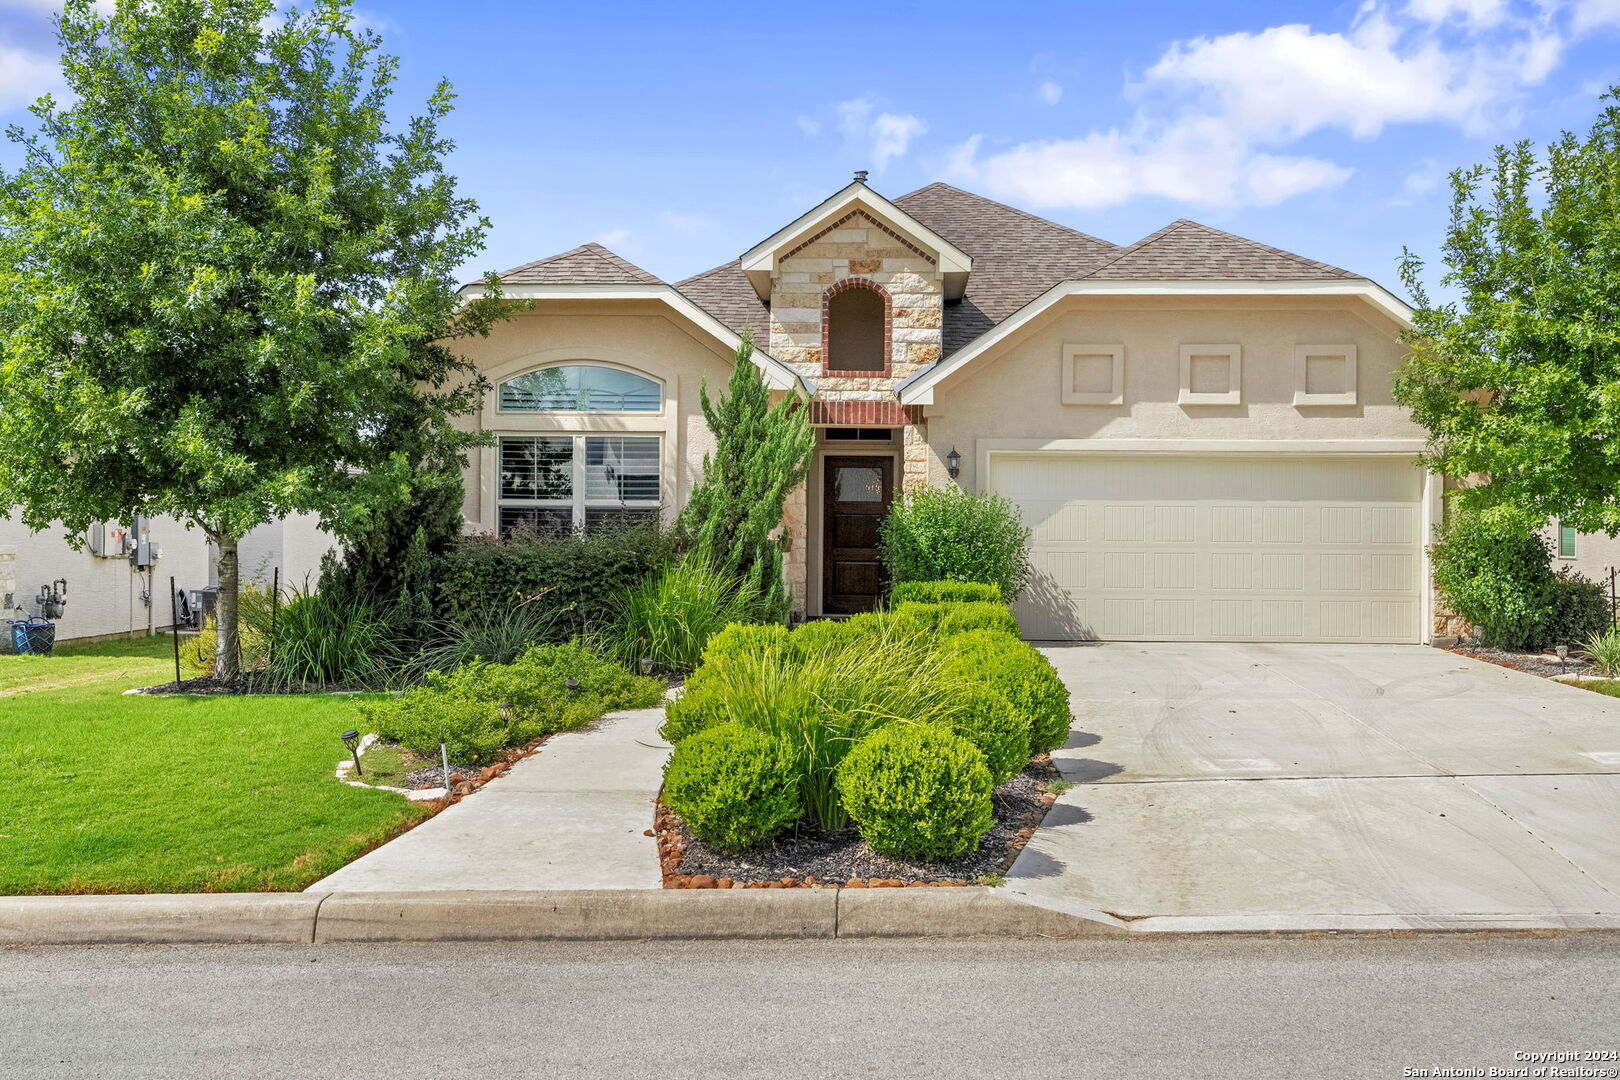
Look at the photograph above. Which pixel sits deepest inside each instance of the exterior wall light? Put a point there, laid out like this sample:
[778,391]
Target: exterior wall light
[351,739]
[953,463]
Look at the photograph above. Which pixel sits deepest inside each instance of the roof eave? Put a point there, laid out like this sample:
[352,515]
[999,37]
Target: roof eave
[778,376]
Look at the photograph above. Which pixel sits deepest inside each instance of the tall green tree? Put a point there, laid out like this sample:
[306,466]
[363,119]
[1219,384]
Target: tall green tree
[1518,379]
[226,280]
[761,454]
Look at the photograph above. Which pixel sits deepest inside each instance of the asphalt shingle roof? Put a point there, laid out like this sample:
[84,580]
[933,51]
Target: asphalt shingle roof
[1187,251]
[725,293]
[1016,257]
[588,264]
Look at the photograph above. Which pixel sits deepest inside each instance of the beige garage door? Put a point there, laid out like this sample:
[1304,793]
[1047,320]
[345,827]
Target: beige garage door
[1151,548]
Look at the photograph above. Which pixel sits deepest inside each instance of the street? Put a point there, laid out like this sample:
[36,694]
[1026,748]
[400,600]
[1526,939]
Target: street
[1197,1007]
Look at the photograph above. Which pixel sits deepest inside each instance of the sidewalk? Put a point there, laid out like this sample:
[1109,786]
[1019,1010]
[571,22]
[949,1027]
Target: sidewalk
[570,817]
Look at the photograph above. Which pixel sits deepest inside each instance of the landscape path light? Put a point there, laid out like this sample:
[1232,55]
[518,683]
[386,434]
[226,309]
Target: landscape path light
[351,739]
[1563,658]
[646,665]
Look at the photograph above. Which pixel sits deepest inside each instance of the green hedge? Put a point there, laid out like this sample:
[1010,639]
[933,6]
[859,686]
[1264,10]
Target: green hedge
[579,579]
[943,592]
[947,619]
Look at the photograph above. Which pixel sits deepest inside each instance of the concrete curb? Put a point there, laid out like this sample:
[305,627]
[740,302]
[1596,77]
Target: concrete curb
[578,914]
[646,914]
[159,918]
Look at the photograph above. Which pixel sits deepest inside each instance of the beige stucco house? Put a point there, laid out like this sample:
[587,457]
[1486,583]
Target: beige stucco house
[1199,428]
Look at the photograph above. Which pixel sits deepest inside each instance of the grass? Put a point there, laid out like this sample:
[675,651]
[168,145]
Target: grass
[386,765]
[107,793]
[1611,687]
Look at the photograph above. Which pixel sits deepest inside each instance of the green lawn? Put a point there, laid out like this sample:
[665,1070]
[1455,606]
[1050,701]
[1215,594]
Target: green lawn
[1610,687]
[105,793]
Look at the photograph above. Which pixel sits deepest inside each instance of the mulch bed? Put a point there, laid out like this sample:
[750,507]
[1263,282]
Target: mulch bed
[246,684]
[1544,664]
[812,858]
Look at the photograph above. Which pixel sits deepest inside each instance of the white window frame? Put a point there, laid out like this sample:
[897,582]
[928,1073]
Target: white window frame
[1116,392]
[1302,355]
[1234,375]
[578,504]
[659,383]
[1558,541]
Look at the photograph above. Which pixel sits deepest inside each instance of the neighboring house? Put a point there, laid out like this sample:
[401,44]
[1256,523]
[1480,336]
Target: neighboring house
[1199,428]
[1592,555]
[114,587]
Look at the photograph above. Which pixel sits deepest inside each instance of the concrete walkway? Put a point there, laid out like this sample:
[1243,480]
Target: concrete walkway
[1272,786]
[570,817]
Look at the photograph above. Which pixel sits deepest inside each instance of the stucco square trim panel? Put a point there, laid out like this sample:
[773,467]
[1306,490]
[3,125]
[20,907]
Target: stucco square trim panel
[1094,374]
[1211,375]
[1324,375]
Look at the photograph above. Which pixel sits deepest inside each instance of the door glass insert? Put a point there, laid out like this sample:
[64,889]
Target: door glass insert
[858,483]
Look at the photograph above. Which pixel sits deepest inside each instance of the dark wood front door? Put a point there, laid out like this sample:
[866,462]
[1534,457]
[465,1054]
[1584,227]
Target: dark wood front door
[856,493]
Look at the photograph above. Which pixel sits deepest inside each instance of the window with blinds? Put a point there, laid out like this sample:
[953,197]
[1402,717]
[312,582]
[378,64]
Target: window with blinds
[558,483]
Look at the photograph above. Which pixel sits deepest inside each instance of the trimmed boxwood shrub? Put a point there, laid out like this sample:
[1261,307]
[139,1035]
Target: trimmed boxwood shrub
[734,786]
[463,705]
[947,619]
[944,592]
[988,720]
[1018,671]
[917,792]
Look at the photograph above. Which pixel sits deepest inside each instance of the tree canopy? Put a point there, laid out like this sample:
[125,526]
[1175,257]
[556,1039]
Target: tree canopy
[226,278]
[1518,379]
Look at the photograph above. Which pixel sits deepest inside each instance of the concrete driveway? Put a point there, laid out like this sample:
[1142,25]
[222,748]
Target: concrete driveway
[1281,786]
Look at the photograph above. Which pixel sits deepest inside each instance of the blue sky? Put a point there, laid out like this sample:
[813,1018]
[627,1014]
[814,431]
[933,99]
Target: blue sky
[681,134]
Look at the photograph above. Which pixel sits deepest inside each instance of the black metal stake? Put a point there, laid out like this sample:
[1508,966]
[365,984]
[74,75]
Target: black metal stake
[174,629]
[275,602]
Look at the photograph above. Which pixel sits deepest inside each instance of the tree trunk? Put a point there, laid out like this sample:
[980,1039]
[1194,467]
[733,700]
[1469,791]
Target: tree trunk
[227,658]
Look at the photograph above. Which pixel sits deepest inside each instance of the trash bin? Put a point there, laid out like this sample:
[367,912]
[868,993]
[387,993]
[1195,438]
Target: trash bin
[32,635]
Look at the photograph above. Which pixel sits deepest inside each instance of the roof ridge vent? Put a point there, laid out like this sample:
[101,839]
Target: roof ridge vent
[860,176]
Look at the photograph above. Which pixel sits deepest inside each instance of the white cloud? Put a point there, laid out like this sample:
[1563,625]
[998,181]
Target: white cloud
[1593,15]
[808,125]
[686,223]
[1050,92]
[1478,12]
[887,135]
[1215,117]
[617,239]
[24,76]
[1419,182]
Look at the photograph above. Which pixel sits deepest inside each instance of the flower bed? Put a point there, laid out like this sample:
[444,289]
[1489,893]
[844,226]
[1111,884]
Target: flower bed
[905,746]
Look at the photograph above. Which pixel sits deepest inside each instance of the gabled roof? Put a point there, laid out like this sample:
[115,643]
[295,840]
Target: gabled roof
[1187,251]
[1016,255]
[725,293]
[759,261]
[588,264]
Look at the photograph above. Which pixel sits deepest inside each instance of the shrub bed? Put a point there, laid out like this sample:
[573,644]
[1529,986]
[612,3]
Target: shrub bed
[943,684]
[463,707]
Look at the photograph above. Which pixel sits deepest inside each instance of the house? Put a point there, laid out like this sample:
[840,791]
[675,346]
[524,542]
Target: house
[1199,428]
[116,582]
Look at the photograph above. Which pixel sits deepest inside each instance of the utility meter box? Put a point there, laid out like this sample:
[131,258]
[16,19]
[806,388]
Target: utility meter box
[108,539]
[143,551]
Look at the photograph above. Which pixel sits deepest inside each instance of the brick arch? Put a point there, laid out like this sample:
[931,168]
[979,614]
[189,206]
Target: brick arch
[848,285]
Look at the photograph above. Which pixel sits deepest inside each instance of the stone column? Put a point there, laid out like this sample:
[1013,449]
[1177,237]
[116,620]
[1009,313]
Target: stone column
[795,562]
[915,456]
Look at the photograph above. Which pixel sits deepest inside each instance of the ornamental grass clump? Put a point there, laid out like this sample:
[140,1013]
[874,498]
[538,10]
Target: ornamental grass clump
[1604,652]
[917,792]
[669,617]
[733,786]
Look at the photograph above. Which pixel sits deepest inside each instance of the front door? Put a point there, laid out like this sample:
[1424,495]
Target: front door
[856,491]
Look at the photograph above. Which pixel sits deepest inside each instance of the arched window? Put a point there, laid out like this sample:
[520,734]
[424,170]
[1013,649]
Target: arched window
[588,388]
[855,328]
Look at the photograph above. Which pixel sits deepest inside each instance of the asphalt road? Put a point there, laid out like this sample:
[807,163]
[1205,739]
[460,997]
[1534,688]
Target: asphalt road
[1210,1007]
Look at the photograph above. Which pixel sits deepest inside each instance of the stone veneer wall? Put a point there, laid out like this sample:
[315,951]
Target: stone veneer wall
[856,245]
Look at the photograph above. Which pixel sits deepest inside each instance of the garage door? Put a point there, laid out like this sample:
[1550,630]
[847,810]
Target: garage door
[1150,548]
